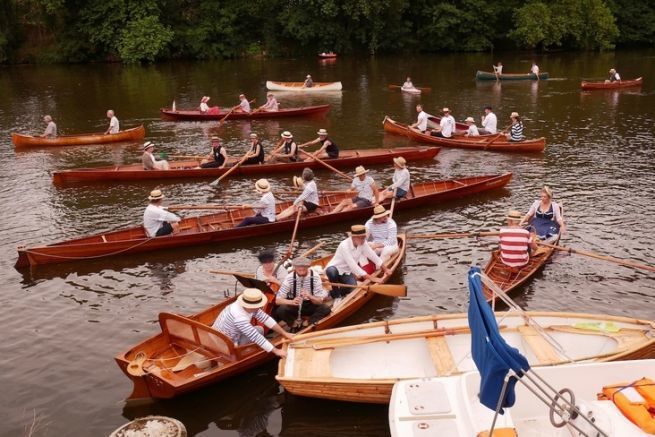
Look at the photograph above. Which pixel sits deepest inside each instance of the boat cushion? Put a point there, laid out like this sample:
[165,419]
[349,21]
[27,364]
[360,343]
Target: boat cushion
[427,397]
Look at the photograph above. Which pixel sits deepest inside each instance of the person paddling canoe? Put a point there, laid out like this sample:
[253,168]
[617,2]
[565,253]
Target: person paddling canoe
[308,82]
[408,85]
[256,153]
[51,128]
[516,242]
[614,76]
[244,104]
[287,151]
[271,104]
[114,125]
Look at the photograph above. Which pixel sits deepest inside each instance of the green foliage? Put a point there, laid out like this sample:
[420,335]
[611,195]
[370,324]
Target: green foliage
[143,40]
[635,20]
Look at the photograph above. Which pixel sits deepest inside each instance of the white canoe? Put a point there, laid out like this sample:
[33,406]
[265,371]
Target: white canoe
[361,363]
[450,406]
[410,90]
[298,86]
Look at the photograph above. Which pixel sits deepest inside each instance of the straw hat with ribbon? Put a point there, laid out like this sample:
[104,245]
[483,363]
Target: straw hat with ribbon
[252,298]
[400,161]
[322,132]
[380,211]
[360,170]
[514,215]
[148,145]
[262,186]
[469,120]
[358,231]
[156,195]
[286,135]
[298,182]
[513,115]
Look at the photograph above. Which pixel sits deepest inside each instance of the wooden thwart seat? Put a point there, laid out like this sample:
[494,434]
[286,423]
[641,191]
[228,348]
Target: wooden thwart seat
[441,355]
[543,350]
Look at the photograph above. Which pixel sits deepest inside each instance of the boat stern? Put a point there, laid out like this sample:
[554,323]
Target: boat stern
[23,260]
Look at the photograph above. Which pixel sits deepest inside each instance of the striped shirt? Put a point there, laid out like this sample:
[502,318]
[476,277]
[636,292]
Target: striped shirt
[401,179]
[305,283]
[384,233]
[310,194]
[516,132]
[514,246]
[364,187]
[234,321]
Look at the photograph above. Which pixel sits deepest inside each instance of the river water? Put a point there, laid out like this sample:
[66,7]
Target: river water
[62,325]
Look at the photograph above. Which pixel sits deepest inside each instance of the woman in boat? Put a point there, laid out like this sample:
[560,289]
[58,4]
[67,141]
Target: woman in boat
[472,131]
[328,149]
[546,217]
[308,200]
[217,158]
[264,209]
[156,220]
[51,128]
[267,270]
[114,125]
[515,242]
[408,85]
[367,192]
[515,133]
[256,153]
[400,181]
[244,104]
[271,104]
[204,107]
[149,161]
[308,82]
[287,151]
[614,76]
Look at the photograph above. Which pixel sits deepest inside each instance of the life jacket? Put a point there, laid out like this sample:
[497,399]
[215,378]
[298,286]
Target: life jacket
[635,400]
[293,293]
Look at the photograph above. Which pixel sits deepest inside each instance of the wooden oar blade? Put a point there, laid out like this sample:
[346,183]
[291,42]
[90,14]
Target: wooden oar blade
[394,290]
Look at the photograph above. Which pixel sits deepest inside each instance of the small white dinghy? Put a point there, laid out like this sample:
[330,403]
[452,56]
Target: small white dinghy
[410,90]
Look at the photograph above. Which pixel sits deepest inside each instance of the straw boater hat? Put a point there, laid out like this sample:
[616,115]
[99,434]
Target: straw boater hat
[215,138]
[262,186]
[309,75]
[322,132]
[445,110]
[298,182]
[204,99]
[380,211]
[358,231]
[400,161]
[252,298]
[612,70]
[253,135]
[514,215]
[469,120]
[360,170]
[286,134]
[148,145]
[156,195]
[514,114]
[301,261]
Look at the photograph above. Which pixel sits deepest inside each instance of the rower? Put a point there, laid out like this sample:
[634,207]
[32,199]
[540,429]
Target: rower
[472,131]
[345,266]
[515,242]
[156,220]
[244,105]
[400,181]
[614,76]
[515,133]
[271,104]
[149,161]
[328,150]
[264,209]
[114,125]
[546,216]
[51,128]
[235,322]
[446,125]
[301,294]
[308,82]
[408,85]
[256,153]
[421,124]
[217,158]
[308,200]
[367,192]
[267,270]
[489,122]
[204,107]
[287,151]
[382,232]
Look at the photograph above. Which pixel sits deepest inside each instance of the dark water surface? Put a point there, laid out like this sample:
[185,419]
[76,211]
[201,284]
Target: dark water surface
[62,325]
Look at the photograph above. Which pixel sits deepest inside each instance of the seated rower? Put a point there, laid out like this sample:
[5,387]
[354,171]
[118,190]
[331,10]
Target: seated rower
[114,124]
[308,82]
[446,127]
[267,271]
[515,242]
[256,153]
[614,76]
[421,124]
[148,159]
[301,294]
[51,128]
[382,232]
[308,200]
[546,217]
[345,268]
[271,104]
[156,220]
[217,158]
[244,104]
[400,181]
[287,151]
[235,321]
[264,209]
[367,192]
[535,69]
[472,131]
[408,85]
[516,129]
[328,150]
[489,122]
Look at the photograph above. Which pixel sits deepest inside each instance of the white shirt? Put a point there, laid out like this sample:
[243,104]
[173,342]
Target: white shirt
[364,187]
[245,105]
[535,69]
[616,75]
[310,194]
[384,233]
[346,256]
[51,129]
[408,85]
[271,105]
[447,124]
[234,321]
[498,69]
[268,207]
[114,126]
[490,123]
[154,216]
[422,121]
[401,179]
[472,131]
[204,107]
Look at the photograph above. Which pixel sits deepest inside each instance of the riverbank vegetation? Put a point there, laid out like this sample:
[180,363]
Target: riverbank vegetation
[46,31]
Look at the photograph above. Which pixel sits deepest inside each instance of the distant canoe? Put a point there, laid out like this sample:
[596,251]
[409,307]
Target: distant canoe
[611,85]
[194,114]
[298,86]
[415,90]
[329,55]
[486,75]
[136,133]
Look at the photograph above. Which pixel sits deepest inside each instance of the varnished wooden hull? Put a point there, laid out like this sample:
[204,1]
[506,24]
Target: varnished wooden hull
[611,85]
[297,86]
[189,169]
[485,142]
[486,75]
[133,134]
[195,115]
[221,227]
[171,385]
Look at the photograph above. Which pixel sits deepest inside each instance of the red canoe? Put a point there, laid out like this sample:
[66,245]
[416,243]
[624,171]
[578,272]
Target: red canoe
[329,55]
[194,114]
[189,169]
[611,85]
[213,228]
[494,143]
[134,134]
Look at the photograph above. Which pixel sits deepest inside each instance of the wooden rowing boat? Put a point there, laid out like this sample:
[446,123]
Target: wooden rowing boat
[611,85]
[193,114]
[298,86]
[212,228]
[133,134]
[163,351]
[189,169]
[487,75]
[361,363]
[493,143]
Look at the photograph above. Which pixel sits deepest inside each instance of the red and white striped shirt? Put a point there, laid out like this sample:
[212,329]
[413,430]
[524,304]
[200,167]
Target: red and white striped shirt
[514,244]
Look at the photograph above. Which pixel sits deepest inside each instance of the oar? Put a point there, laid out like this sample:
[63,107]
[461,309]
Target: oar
[195,157]
[612,259]
[395,290]
[220,123]
[204,207]
[393,202]
[232,273]
[323,163]
[453,235]
[293,235]
[312,250]
[234,167]
[426,89]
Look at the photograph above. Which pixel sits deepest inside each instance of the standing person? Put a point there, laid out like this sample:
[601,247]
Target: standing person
[308,82]
[256,153]
[516,129]
[235,322]
[308,200]
[367,192]
[447,125]
[267,270]
[271,104]
[515,242]
[149,161]
[328,149]
[264,209]
[614,76]
[382,233]
[114,125]
[51,128]
[217,157]
[421,124]
[156,220]
[546,216]
[244,104]
[498,69]
[489,122]
[472,131]
[287,151]
[301,294]
[535,69]
[343,268]
[400,181]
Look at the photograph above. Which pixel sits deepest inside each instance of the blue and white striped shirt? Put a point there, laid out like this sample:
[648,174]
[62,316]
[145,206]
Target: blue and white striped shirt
[384,233]
[311,281]
[234,321]
[516,132]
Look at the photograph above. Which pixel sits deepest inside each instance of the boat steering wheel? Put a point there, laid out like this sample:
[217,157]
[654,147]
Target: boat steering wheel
[566,414]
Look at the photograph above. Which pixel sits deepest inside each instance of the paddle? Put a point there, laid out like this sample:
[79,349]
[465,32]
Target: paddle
[207,206]
[220,123]
[393,202]
[395,290]
[454,235]
[320,161]
[612,259]
[426,89]
[293,235]
[234,167]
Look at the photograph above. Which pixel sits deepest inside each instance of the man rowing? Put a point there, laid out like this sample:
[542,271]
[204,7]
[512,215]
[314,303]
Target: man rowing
[367,192]
[400,181]
[271,104]
[328,149]
[515,242]
[308,200]
[51,128]
[287,151]
[256,153]
[446,127]
[149,161]
[489,122]
[217,157]
[408,85]
[381,232]
[114,125]
[264,209]
[244,104]
[498,68]
[157,221]
[421,124]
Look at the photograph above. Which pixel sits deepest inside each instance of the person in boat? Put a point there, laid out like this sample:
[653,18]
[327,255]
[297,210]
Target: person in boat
[235,322]
[534,69]
[149,161]
[217,158]
[546,217]
[256,153]
[308,200]
[308,82]
[367,192]
[515,242]
[515,133]
[381,232]
[51,128]
[267,270]
[421,124]
[264,209]
[408,85]
[301,294]
[156,220]
[328,149]
[472,131]
[114,125]
[271,104]
[489,122]
[287,151]
[244,104]
[345,267]
[498,68]
[400,182]
[206,109]
[614,76]
[446,127]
